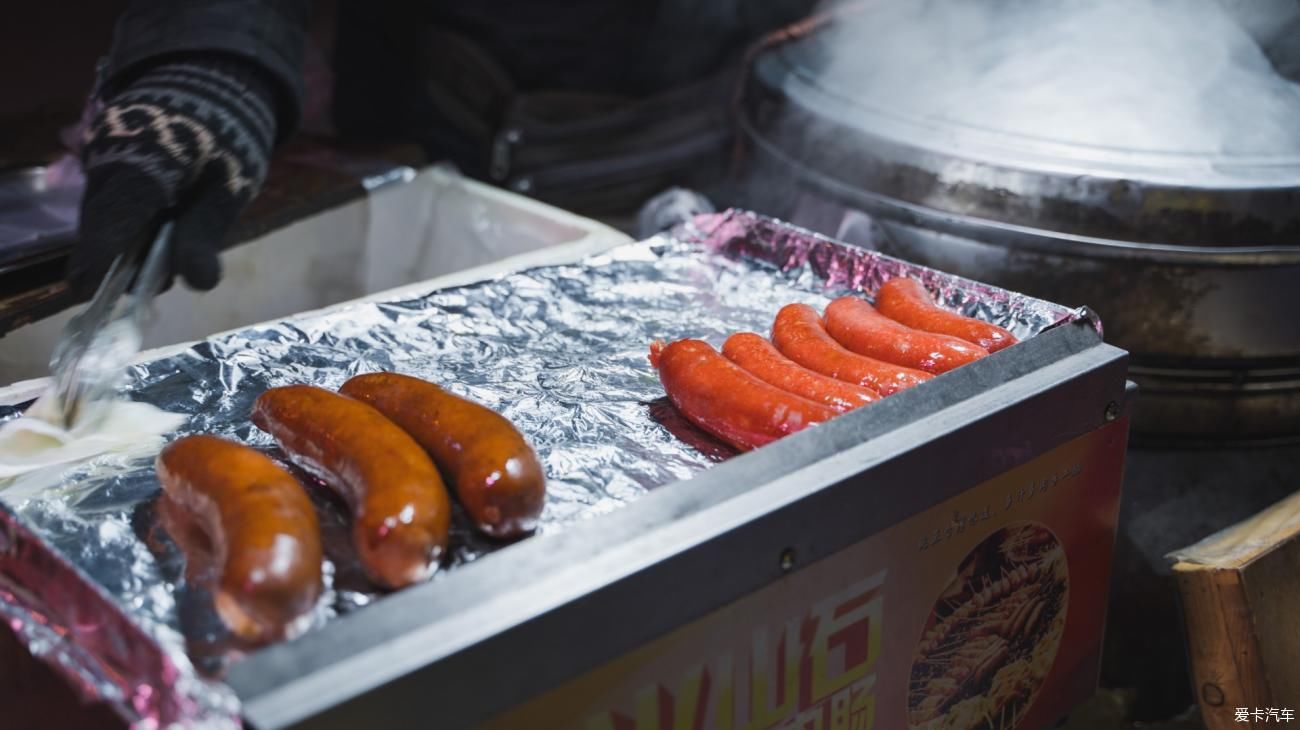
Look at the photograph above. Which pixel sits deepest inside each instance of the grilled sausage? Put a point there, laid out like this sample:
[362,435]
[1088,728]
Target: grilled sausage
[260,528]
[400,509]
[859,327]
[722,398]
[800,335]
[496,474]
[905,300]
[762,360]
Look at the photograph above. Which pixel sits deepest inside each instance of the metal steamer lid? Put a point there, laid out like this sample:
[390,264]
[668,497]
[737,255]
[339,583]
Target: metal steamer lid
[1013,180]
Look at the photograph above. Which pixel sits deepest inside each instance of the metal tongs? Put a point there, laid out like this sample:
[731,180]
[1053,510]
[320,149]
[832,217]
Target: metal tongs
[89,363]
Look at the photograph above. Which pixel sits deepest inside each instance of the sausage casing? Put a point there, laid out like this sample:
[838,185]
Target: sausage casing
[496,474]
[799,334]
[906,300]
[762,360]
[400,509]
[859,327]
[722,398]
[261,528]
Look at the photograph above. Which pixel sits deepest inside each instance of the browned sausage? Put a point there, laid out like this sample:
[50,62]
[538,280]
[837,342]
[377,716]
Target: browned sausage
[497,476]
[859,327]
[260,527]
[400,509]
[762,360]
[800,335]
[722,398]
[907,301]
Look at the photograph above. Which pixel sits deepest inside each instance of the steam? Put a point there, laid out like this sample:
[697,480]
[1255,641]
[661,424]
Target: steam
[1186,76]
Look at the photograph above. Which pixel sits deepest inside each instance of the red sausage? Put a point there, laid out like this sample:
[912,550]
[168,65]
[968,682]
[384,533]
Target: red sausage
[799,334]
[722,398]
[401,513]
[905,300]
[261,532]
[497,476]
[859,327]
[755,354]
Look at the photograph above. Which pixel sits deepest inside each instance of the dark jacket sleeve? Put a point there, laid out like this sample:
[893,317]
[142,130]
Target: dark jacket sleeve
[270,33]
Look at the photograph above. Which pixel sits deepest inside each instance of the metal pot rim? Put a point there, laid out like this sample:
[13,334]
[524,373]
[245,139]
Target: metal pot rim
[890,210]
[1180,200]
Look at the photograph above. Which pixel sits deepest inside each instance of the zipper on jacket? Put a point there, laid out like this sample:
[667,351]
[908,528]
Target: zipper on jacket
[502,149]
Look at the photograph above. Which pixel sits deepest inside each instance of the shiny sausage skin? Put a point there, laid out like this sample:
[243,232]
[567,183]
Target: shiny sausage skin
[906,300]
[722,398]
[800,335]
[496,474]
[762,360]
[400,509]
[859,327]
[262,530]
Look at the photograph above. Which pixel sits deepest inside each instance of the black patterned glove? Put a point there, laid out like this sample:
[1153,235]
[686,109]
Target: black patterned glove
[190,137]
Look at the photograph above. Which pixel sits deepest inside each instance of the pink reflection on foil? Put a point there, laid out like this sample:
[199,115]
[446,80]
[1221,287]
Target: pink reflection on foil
[738,233]
[82,635]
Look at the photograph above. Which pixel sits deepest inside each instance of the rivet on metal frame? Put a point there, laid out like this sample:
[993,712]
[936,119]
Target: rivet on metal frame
[1112,411]
[787,560]
[1212,694]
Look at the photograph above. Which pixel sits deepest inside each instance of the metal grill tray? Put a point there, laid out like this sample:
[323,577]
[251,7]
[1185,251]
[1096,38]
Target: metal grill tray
[559,349]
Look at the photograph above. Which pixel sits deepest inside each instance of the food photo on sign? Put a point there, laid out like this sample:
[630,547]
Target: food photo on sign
[650,365]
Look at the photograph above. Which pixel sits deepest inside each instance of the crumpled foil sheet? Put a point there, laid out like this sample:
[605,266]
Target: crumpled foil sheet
[559,350]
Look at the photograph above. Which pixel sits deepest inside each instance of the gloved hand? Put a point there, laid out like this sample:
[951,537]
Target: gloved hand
[191,137]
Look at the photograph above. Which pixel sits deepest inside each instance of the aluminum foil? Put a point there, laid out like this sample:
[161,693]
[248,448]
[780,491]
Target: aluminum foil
[821,264]
[559,350]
